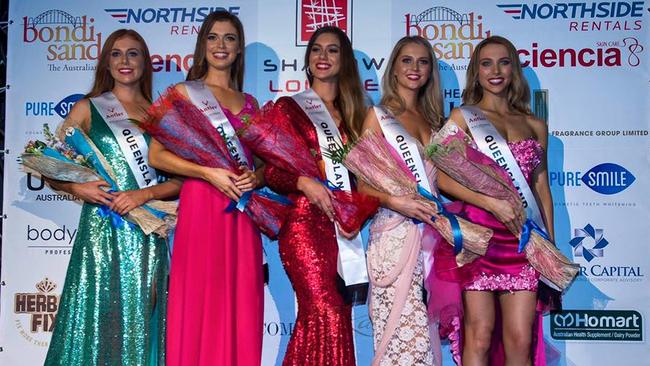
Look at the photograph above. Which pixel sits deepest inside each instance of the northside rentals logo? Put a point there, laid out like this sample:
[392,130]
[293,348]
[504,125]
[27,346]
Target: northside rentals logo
[41,307]
[314,14]
[597,325]
[593,10]
[68,37]
[452,35]
[167,15]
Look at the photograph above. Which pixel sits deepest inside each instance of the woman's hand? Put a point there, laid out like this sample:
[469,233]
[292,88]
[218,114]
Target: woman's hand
[504,212]
[317,194]
[223,180]
[125,201]
[411,207]
[92,192]
[246,181]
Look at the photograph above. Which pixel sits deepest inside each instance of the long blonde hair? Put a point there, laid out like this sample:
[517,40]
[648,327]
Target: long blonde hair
[350,97]
[518,93]
[429,95]
[200,66]
[104,81]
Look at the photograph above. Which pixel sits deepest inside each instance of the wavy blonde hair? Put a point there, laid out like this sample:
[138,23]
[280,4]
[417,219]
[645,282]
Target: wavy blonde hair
[429,95]
[350,99]
[518,93]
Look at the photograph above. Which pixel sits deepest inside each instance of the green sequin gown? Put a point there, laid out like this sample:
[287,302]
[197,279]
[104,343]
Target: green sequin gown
[112,309]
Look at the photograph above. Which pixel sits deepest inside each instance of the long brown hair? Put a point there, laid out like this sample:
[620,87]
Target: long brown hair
[350,96]
[104,81]
[429,95]
[518,93]
[200,66]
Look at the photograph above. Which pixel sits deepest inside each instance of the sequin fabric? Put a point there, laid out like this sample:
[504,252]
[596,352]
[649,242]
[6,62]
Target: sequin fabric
[308,249]
[113,302]
[502,268]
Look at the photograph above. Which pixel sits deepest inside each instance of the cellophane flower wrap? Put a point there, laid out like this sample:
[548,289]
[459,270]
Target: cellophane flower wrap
[274,139]
[372,159]
[455,153]
[78,160]
[184,130]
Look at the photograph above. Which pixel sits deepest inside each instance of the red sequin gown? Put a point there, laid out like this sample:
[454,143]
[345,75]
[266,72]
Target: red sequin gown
[309,252]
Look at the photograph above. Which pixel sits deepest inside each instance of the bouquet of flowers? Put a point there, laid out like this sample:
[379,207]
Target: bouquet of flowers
[184,130]
[78,160]
[374,161]
[456,154]
[274,138]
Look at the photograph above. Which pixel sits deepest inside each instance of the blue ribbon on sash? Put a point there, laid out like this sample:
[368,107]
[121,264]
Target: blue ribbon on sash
[117,221]
[455,226]
[243,200]
[159,214]
[527,229]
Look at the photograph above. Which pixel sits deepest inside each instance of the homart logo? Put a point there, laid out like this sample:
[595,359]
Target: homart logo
[605,178]
[597,325]
[166,15]
[588,242]
[585,10]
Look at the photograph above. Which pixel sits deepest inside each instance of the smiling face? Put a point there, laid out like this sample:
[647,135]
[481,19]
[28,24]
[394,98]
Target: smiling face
[412,67]
[126,62]
[222,45]
[325,57]
[495,69]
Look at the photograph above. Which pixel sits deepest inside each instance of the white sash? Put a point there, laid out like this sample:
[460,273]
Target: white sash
[404,144]
[492,144]
[406,147]
[352,260]
[205,101]
[130,139]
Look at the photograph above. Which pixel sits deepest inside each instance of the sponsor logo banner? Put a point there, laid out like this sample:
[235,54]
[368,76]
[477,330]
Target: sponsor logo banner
[597,325]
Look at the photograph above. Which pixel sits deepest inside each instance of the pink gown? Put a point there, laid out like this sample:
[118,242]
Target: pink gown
[215,307]
[502,268]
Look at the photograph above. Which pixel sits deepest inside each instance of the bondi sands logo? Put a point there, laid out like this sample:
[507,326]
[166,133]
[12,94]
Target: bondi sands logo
[452,35]
[68,37]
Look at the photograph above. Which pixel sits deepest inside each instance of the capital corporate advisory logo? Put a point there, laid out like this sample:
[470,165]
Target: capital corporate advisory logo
[72,42]
[39,309]
[588,242]
[597,325]
[314,14]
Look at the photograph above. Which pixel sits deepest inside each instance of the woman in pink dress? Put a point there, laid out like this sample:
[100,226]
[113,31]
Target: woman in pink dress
[215,308]
[502,324]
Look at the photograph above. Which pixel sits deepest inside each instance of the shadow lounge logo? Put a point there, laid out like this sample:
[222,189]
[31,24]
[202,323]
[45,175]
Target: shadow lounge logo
[41,307]
[314,14]
[588,242]
[452,35]
[597,325]
[68,37]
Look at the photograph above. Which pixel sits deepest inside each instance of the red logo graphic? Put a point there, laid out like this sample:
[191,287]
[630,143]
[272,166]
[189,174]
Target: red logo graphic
[314,14]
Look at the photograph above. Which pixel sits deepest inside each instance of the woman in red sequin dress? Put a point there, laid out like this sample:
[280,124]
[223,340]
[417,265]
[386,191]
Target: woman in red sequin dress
[308,244]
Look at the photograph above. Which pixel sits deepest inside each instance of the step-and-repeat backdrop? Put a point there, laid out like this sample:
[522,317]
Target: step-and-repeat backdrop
[587,64]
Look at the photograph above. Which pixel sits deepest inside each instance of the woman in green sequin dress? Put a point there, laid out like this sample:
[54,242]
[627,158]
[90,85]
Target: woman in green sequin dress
[112,307]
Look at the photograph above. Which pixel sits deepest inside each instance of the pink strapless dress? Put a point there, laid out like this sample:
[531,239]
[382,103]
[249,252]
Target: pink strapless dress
[502,268]
[216,290]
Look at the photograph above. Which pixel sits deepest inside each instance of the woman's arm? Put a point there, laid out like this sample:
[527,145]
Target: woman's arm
[541,187]
[125,201]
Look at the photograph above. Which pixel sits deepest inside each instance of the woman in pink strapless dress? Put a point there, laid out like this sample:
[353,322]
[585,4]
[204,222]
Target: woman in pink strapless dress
[502,319]
[216,293]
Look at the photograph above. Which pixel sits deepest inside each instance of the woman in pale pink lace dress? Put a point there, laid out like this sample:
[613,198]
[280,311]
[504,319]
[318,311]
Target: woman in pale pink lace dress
[502,284]
[411,94]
